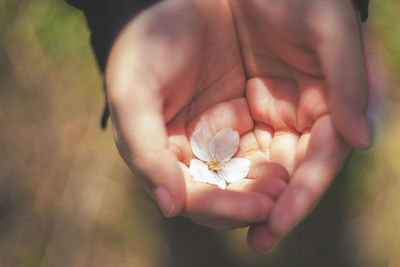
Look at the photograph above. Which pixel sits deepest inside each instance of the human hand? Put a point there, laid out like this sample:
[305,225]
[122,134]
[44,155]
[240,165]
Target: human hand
[179,51]
[176,67]
[307,91]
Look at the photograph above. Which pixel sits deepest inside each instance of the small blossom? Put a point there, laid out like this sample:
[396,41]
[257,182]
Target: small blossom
[215,164]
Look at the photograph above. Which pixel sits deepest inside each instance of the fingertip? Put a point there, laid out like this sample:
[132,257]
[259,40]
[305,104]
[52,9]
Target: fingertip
[354,130]
[171,197]
[281,172]
[364,137]
[289,210]
[268,169]
[271,187]
[260,239]
[179,199]
[165,202]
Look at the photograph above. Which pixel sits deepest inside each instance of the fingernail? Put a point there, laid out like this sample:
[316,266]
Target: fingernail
[164,200]
[364,134]
[270,248]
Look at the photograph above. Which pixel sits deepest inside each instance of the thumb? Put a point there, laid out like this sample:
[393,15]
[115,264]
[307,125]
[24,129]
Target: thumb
[141,137]
[342,58]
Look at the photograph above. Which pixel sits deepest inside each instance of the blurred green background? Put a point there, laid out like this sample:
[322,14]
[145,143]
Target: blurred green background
[67,199]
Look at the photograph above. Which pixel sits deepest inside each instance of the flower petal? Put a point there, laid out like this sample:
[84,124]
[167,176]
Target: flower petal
[199,142]
[236,169]
[200,171]
[224,144]
[218,180]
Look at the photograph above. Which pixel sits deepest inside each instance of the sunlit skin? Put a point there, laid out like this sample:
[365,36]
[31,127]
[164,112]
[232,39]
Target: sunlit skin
[250,66]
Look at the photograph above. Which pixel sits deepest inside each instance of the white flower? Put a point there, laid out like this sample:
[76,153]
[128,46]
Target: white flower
[216,165]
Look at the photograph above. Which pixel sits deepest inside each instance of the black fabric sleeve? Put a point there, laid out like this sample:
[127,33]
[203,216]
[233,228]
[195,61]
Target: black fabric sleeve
[362,6]
[106,18]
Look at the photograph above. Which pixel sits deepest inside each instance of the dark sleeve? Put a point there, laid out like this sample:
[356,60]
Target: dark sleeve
[362,6]
[106,18]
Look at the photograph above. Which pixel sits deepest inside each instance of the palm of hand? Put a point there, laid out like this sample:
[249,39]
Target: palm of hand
[199,71]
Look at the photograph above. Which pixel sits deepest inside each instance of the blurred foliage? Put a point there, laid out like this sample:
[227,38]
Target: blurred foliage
[385,20]
[66,198]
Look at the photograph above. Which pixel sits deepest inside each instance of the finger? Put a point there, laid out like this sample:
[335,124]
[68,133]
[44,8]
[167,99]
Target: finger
[264,134]
[142,141]
[342,59]
[283,149]
[249,148]
[324,158]
[267,178]
[264,177]
[260,238]
[224,209]
[301,148]
[270,179]
[139,129]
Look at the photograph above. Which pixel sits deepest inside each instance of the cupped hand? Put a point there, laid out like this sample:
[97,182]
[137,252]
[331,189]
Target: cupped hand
[307,92]
[176,67]
[287,75]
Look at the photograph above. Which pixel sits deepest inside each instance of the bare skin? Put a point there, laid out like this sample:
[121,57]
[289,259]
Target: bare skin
[215,64]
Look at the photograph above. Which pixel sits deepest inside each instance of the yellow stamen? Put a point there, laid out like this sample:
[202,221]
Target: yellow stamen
[215,163]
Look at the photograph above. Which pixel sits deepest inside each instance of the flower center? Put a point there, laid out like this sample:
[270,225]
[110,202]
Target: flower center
[215,163]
